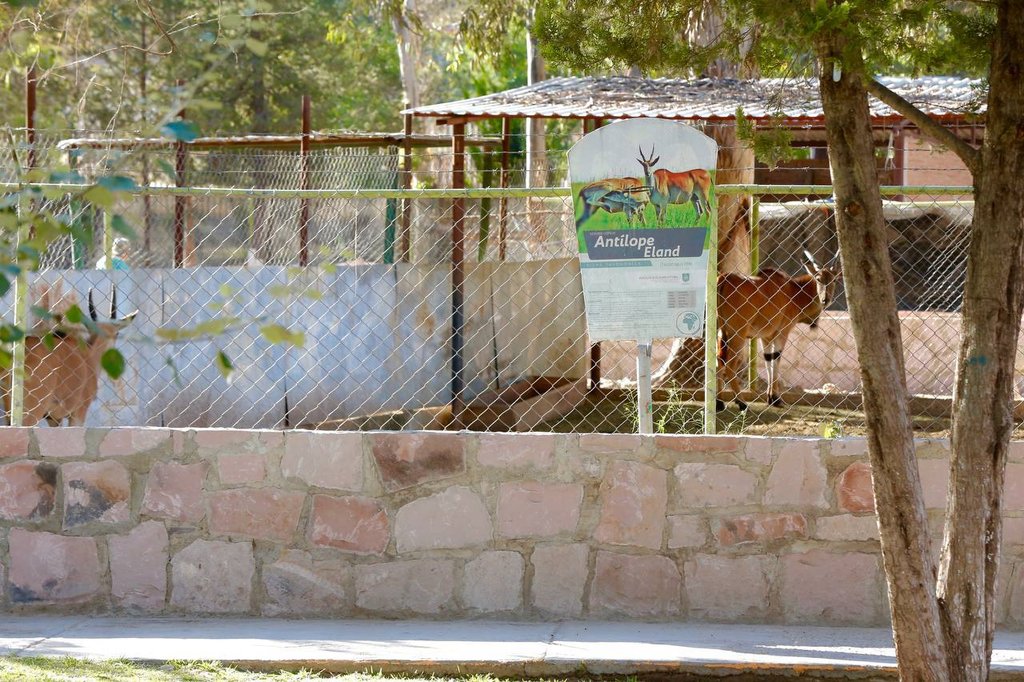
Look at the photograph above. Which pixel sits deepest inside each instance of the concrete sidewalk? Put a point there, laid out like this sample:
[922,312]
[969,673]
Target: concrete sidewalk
[501,648]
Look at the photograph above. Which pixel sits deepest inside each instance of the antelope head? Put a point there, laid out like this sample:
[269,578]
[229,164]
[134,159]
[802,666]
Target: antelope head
[825,283]
[108,328]
[648,160]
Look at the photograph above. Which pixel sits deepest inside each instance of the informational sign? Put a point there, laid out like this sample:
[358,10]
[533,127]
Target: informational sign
[644,199]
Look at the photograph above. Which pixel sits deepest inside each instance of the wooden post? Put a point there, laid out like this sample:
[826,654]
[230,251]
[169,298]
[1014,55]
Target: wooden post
[30,117]
[180,202]
[304,180]
[503,182]
[405,211]
[17,413]
[458,264]
[590,125]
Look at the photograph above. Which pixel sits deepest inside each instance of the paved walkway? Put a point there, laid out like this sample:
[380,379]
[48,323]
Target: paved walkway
[501,648]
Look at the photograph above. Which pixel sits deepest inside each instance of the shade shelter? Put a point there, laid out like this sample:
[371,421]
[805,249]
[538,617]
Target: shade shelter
[791,103]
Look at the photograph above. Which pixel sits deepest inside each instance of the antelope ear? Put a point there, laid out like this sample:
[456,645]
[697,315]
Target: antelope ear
[810,271]
[124,321]
[654,161]
[810,259]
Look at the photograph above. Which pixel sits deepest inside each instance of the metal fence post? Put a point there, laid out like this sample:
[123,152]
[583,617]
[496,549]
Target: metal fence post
[711,328]
[755,263]
[180,201]
[304,181]
[458,263]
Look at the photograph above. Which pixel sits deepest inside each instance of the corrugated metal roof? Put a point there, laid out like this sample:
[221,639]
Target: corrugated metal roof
[706,98]
[347,139]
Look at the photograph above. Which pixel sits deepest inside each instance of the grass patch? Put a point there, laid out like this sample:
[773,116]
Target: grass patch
[68,669]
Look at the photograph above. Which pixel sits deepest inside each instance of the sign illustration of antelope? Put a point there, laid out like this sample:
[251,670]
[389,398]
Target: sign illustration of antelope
[692,186]
[615,195]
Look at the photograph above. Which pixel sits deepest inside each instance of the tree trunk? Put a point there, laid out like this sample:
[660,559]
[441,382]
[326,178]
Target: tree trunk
[983,395]
[406,54]
[863,244]
[536,171]
[685,363]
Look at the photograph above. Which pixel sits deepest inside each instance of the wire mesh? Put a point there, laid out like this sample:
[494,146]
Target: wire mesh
[373,303]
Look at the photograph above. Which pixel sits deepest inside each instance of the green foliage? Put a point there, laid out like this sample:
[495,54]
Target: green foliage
[765,36]
[771,143]
[113,363]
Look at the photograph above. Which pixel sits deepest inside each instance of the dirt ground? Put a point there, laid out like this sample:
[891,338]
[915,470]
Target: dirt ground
[617,414]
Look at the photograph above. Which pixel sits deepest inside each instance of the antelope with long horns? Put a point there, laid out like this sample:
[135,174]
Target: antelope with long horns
[62,371]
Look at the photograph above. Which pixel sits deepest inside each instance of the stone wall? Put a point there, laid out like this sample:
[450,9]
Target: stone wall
[455,525]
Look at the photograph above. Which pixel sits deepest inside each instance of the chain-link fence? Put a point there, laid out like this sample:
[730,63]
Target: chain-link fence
[246,256]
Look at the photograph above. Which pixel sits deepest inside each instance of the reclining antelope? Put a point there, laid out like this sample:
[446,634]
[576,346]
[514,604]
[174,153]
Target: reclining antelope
[62,378]
[615,195]
[767,307]
[692,186]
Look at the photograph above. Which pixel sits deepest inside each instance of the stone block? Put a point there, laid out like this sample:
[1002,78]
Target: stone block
[854,491]
[686,531]
[96,492]
[260,513]
[354,524]
[296,585]
[764,528]
[324,459]
[759,450]
[633,501]
[493,582]
[46,568]
[67,442]
[1013,495]
[635,586]
[246,467]
[175,491]
[419,586]
[517,450]
[798,476]
[213,577]
[822,588]
[1013,531]
[27,490]
[846,528]
[451,519]
[728,588]
[702,444]
[934,481]
[14,441]
[222,441]
[714,485]
[609,443]
[130,441]
[407,459]
[138,567]
[534,509]
[850,446]
[559,577]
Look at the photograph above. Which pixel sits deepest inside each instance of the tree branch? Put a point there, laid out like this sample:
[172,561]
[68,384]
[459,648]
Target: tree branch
[925,123]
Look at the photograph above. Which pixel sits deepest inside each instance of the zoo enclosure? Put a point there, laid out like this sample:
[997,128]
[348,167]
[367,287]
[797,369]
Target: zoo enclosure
[379,346]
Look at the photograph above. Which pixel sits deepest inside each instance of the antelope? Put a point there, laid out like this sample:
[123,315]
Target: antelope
[615,195]
[767,307]
[675,188]
[62,372]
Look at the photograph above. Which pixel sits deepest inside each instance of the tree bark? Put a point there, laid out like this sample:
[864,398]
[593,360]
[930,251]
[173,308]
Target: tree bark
[983,394]
[863,243]
[735,162]
[406,54]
